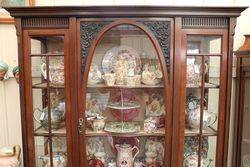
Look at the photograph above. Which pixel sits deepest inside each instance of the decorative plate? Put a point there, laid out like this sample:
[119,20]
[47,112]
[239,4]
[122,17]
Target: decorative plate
[127,57]
[122,127]
[94,144]
[156,144]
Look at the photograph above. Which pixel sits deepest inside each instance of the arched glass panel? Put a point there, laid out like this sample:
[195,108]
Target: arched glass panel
[125,102]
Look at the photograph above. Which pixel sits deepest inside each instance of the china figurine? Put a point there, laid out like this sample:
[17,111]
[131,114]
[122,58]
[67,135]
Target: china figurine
[56,72]
[125,155]
[95,75]
[3,70]
[15,72]
[57,117]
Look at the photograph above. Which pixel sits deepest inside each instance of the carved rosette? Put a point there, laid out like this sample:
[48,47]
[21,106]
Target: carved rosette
[88,32]
[162,32]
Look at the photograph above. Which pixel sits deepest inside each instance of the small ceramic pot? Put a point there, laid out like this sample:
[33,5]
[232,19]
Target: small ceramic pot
[109,79]
[150,125]
[3,70]
[15,73]
[98,124]
[100,156]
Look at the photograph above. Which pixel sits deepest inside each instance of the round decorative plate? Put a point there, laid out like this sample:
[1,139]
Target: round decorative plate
[127,56]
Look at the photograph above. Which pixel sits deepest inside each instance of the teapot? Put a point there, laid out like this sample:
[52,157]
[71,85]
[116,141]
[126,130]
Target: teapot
[193,113]
[125,155]
[193,118]
[192,161]
[57,117]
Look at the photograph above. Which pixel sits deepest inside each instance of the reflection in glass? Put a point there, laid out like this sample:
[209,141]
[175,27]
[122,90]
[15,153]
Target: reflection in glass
[203,44]
[125,108]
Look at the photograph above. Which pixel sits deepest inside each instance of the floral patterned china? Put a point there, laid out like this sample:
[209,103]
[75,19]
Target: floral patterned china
[155,145]
[193,114]
[59,160]
[151,75]
[122,127]
[56,72]
[155,105]
[192,146]
[94,145]
[123,61]
[95,75]
[192,161]
[125,154]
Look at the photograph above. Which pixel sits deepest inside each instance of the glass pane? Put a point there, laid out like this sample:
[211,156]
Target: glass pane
[194,71]
[246,128]
[42,151]
[47,45]
[125,99]
[192,150]
[210,159]
[203,44]
[49,111]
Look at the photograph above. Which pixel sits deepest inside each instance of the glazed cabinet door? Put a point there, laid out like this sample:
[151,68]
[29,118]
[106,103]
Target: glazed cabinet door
[206,71]
[125,95]
[47,108]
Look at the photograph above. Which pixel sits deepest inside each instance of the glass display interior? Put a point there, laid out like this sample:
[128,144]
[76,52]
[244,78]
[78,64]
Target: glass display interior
[125,108]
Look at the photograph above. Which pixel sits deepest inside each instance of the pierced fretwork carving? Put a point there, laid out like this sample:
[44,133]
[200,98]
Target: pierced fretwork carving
[204,22]
[45,23]
[161,31]
[88,31]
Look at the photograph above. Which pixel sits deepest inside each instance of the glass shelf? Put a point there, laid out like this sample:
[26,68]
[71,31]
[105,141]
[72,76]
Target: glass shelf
[205,132]
[45,86]
[206,86]
[43,132]
[125,86]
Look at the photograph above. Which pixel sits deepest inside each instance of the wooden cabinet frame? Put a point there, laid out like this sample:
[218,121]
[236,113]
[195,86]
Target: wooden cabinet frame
[184,21]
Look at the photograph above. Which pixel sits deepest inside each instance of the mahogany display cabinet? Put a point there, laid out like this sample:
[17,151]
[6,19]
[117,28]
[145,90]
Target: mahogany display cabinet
[125,85]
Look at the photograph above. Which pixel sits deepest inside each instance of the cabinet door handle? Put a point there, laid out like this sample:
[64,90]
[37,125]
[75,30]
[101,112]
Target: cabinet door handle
[80,125]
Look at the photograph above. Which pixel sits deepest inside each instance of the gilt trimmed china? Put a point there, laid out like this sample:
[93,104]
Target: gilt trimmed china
[3,70]
[125,154]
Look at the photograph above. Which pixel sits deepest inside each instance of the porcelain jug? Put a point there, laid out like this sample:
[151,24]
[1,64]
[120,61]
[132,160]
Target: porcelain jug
[125,154]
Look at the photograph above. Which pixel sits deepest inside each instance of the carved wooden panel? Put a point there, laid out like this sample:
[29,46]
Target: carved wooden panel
[88,31]
[45,23]
[205,22]
[162,31]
